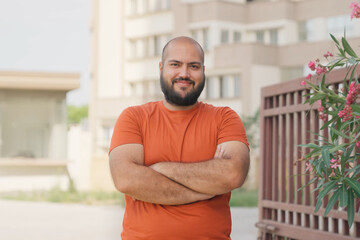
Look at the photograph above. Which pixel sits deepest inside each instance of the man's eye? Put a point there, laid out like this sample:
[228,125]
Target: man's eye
[195,66]
[174,64]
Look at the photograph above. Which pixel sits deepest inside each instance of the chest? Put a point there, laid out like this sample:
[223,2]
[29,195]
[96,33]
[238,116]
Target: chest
[180,139]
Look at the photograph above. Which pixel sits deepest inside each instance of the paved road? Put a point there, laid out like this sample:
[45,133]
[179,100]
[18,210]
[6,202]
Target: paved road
[51,221]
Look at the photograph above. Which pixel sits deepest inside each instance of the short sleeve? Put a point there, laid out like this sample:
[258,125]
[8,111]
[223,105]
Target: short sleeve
[127,129]
[231,127]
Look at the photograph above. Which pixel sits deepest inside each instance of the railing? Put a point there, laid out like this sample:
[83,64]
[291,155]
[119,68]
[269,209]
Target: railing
[285,212]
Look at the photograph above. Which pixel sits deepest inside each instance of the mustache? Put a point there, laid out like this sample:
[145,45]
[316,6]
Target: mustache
[183,79]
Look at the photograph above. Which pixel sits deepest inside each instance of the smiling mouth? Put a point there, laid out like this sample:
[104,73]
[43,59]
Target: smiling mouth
[183,82]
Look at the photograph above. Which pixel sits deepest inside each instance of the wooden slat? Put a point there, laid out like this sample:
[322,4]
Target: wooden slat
[334,76]
[308,210]
[297,232]
[286,109]
[284,123]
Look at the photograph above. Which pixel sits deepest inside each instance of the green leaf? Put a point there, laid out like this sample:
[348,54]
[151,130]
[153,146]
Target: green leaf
[330,185]
[353,71]
[339,133]
[355,107]
[309,183]
[334,39]
[310,145]
[332,201]
[337,147]
[318,204]
[329,122]
[326,156]
[312,85]
[355,185]
[347,48]
[342,52]
[350,208]
[312,153]
[343,196]
[355,170]
[317,97]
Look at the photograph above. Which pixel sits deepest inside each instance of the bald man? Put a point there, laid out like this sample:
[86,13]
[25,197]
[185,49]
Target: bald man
[178,160]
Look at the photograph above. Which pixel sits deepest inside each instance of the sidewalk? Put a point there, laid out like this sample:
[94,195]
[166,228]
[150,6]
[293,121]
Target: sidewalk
[52,221]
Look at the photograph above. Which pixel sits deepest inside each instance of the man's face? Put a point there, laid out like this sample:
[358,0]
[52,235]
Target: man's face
[182,75]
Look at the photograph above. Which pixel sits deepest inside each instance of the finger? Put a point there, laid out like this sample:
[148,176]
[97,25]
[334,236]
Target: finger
[217,152]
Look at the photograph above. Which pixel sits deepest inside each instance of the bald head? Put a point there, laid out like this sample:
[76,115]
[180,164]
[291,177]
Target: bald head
[181,40]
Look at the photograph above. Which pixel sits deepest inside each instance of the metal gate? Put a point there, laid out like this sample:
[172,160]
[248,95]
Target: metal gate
[285,212]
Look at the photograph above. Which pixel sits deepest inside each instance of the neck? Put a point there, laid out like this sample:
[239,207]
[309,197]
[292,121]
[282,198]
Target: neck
[173,107]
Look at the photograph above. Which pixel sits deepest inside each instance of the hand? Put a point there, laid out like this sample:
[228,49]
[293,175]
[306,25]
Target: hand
[219,152]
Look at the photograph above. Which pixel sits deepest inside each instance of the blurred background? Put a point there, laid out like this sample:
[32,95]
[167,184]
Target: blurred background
[68,68]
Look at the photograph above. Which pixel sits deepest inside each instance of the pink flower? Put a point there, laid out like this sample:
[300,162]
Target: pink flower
[345,114]
[323,117]
[320,70]
[312,65]
[355,13]
[358,144]
[320,108]
[303,83]
[354,91]
[334,165]
[308,76]
[328,54]
[308,167]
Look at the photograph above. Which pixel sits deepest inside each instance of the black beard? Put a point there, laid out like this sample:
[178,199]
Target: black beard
[174,98]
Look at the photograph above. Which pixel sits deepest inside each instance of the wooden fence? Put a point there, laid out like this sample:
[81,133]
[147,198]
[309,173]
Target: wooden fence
[285,212]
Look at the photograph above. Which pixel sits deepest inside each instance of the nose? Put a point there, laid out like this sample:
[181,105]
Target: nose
[184,72]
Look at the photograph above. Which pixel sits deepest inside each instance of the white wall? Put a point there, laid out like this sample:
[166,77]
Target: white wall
[109,49]
[261,76]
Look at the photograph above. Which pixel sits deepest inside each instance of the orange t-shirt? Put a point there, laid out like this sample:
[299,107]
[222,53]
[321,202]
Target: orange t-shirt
[178,136]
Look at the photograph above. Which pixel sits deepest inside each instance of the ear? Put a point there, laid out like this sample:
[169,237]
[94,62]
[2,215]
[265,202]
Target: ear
[203,68]
[160,66]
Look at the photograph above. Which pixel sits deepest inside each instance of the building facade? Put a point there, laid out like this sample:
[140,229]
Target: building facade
[33,129]
[247,44]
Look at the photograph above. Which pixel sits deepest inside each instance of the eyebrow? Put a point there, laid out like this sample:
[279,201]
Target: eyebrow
[177,61]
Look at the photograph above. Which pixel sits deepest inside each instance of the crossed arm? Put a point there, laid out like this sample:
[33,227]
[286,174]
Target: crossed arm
[171,183]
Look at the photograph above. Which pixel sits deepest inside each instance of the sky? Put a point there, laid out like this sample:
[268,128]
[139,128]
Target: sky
[47,36]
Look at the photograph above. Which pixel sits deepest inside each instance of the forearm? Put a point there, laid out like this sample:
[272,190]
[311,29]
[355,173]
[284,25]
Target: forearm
[227,171]
[145,184]
[215,176]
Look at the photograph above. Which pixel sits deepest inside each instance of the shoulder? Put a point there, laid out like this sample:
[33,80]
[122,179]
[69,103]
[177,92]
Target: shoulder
[141,110]
[217,111]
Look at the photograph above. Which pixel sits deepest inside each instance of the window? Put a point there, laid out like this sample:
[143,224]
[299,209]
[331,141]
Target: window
[237,36]
[225,87]
[224,36]
[259,36]
[336,25]
[302,33]
[157,5]
[211,88]
[40,134]
[273,36]
[133,7]
[144,6]
[205,42]
[167,4]
[237,87]
[132,48]
[194,34]
[306,30]
[157,46]
[107,133]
